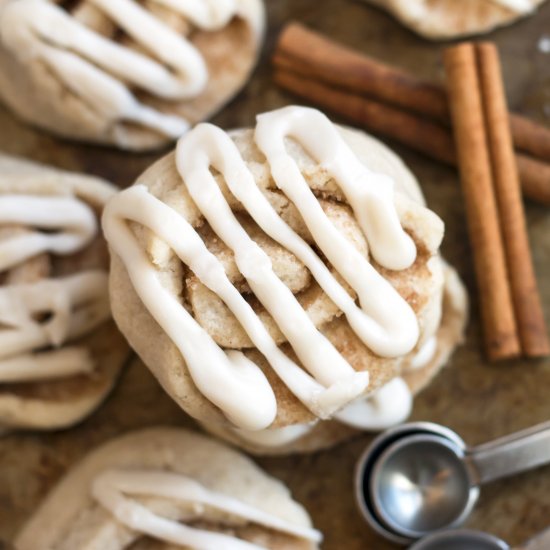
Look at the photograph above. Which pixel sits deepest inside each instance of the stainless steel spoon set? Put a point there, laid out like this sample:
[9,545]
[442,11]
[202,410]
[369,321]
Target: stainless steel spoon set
[419,478]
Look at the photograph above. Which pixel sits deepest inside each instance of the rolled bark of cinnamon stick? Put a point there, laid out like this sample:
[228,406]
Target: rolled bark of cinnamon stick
[534,177]
[311,54]
[501,336]
[430,138]
[530,137]
[525,294]
[427,137]
[316,56]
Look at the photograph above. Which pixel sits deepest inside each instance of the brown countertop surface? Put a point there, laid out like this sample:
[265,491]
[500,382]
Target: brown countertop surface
[478,400]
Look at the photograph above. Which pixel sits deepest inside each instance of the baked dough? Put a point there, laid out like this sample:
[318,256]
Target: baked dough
[124,482]
[159,209]
[60,353]
[121,72]
[445,19]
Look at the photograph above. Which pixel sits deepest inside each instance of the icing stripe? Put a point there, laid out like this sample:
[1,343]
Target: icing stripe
[75,305]
[229,380]
[276,437]
[206,147]
[47,365]
[369,194]
[390,405]
[70,223]
[425,354]
[110,487]
[386,324]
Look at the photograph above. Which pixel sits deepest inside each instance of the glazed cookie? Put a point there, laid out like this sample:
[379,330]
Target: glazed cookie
[124,72]
[269,277]
[445,19]
[163,489]
[60,352]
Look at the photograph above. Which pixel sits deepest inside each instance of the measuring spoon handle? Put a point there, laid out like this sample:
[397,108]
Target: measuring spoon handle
[511,454]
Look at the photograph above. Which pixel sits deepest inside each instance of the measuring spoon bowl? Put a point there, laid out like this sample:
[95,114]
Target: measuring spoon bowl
[368,460]
[420,477]
[460,539]
[420,484]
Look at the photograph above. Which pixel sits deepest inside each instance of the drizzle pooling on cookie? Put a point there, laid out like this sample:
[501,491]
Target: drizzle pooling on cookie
[383,320]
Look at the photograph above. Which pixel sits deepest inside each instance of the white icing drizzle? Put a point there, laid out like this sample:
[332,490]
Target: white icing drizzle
[102,71]
[275,437]
[47,365]
[385,322]
[73,304]
[390,405]
[425,354]
[228,379]
[209,146]
[518,6]
[368,193]
[71,225]
[111,489]
[48,312]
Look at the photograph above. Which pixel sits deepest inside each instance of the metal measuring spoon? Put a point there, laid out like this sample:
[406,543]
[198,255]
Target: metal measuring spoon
[420,477]
[460,539]
[469,539]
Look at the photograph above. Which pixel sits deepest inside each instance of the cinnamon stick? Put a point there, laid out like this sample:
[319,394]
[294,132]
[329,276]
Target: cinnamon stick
[311,54]
[530,137]
[501,337]
[427,137]
[535,178]
[525,294]
[430,138]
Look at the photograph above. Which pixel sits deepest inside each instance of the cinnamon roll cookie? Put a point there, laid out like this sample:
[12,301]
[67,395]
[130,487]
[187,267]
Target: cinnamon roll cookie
[269,277]
[445,19]
[60,352]
[129,73]
[163,489]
